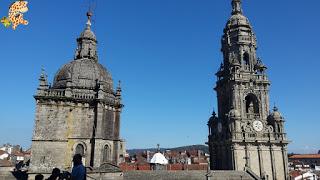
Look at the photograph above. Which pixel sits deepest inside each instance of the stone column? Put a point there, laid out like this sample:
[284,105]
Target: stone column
[274,171]
[285,161]
[96,133]
[247,156]
[99,118]
[262,108]
[260,160]
[115,155]
[117,124]
[232,157]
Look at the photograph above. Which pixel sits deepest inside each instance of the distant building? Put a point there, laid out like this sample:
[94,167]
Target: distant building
[4,154]
[158,161]
[245,134]
[17,156]
[303,161]
[167,160]
[78,114]
[10,148]
[13,153]
[305,176]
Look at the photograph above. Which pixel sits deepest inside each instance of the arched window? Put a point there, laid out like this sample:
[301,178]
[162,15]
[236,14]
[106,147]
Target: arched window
[252,104]
[106,153]
[121,158]
[80,150]
[246,59]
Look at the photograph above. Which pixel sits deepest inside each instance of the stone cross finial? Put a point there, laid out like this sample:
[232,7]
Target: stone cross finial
[236,7]
[89,14]
[214,112]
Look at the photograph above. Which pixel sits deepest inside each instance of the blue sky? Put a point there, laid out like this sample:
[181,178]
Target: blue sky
[166,53]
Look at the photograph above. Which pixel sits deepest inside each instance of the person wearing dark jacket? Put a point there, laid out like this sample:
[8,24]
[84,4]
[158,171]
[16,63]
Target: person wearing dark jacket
[78,170]
[55,174]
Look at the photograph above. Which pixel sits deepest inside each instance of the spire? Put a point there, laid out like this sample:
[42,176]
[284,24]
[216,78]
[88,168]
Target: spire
[43,82]
[214,113]
[239,43]
[236,7]
[43,78]
[118,91]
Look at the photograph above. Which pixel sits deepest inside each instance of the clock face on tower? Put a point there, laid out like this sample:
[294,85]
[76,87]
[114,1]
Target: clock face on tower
[257,126]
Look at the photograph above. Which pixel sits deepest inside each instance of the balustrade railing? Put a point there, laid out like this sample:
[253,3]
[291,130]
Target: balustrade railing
[62,93]
[54,92]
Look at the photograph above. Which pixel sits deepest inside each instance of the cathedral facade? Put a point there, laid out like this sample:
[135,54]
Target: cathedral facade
[245,135]
[78,114]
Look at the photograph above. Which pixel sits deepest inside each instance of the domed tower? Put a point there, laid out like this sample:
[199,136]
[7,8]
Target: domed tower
[245,135]
[79,113]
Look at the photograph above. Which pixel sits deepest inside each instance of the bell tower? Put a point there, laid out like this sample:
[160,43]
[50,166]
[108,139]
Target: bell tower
[245,135]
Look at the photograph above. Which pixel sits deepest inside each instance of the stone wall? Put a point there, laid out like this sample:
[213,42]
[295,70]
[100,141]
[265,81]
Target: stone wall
[186,175]
[155,175]
[165,175]
[90,176]
[48,155]
[7,174]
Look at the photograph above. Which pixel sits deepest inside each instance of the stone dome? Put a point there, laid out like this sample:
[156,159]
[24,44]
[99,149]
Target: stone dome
[82,74]
[238,20]
[213,117]
[276,115]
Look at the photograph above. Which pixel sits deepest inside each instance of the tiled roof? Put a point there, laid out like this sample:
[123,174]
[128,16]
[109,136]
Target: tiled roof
[295,173]
[17,154]
[305,156]
[3,152]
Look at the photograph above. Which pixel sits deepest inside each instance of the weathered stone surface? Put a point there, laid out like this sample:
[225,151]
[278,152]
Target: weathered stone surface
[82,73]
[80,113]
[245,134]
[90,176]
[187,175]
[165,175]
[229,175]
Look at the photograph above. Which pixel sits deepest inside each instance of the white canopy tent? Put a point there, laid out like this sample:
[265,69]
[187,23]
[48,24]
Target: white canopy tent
[159,158]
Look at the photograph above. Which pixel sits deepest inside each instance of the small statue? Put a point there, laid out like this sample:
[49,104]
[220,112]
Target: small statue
[251,109]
